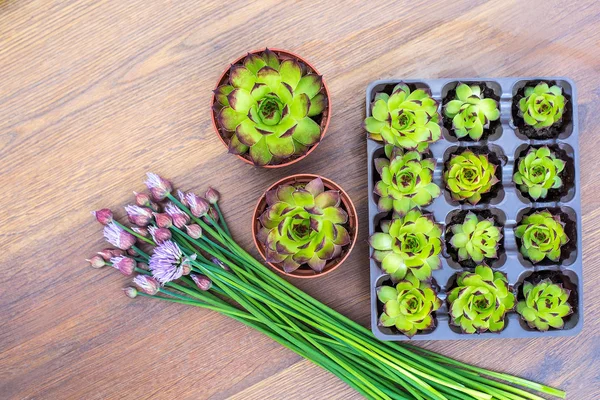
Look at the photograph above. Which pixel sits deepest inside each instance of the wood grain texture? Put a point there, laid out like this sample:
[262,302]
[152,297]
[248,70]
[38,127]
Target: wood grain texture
[95,93]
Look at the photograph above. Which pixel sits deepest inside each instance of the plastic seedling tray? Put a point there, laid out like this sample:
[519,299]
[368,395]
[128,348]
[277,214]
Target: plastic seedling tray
[507,140]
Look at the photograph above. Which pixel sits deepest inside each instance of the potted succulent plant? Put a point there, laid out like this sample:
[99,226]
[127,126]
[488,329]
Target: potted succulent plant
[471,111]
[544,304]
[406,180]
[541,235]
[480,300]
[541,110]
[539,174]
[406,118]
[270,108]
[409,306]
[305,225]
[473,239]
[469,176]
[408,244]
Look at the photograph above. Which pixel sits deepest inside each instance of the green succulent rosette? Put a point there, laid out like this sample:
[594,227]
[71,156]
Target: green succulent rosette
[269,105]
[469,175]
[480,300]
[538,172]
[409,306]
[406,181]
[471,113]
[407,119]
[408,244]
[542,106]
[303,224]
[475,239]
[546,305]
[542,235]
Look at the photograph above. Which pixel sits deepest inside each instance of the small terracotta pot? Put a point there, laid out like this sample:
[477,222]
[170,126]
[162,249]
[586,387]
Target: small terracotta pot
[305,271]
[282,54]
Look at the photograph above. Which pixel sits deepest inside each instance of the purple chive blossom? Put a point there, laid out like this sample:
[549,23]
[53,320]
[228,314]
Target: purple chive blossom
[140,216]
[104,216]
[118,237]
[212,195]
[197,205]
[159,235]
[163,220]
[182,199]
[159,187]
[194,231]
[142,199]
[147,284]
[168,262]
[130,292]
[125,265]
[180,219]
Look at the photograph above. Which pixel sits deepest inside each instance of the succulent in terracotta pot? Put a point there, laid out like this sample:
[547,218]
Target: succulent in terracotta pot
[468,176]
[270,108]
[304,224]
[409,306]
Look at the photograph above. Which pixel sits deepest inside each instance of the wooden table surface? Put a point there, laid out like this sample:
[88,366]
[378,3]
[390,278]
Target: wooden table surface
[95,93]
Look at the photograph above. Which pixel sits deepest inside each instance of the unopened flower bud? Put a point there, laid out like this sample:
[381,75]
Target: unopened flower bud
[142,199]
[132,252]
[163,220]
[126,265]
[212,195]
[221,264]
[96,262]
[198,205]
[147,284]
[160,235]
[118,237]
[130,292]
[194,230]
[180,219]
[143,266]
[141,216]
[159,187]
[213,214]
[186,269]
[140,231]
[104,216]
[203,282]
[182,198]
[153,206]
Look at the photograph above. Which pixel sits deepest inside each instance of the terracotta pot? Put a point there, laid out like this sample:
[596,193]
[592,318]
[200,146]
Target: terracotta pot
[282,54]
[352,225]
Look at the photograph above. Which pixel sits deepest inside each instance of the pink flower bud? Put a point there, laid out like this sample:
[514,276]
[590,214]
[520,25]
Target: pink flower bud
[140,231]
[198,206]
[143,266]
[96,262]
[132,252]
[159,187]
[104,216]
[147,284]
[182,198]
[130,292]
[180,219]
[142,199]
[153,206]
[160,235]
[186,269]
[221,264]
[118,237]
[108,253]
[213,214]
[141,216]
[125,265]
[203,282]
[194,230]
[212,195]
[163,220]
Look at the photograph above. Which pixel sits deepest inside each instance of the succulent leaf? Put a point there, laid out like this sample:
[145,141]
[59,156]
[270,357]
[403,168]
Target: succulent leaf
[480,300]
[405,119]
[270,97]
[468,176]
[470,112]
[409,306]
[542,106]
[545,305]
[542,235]
[539,171]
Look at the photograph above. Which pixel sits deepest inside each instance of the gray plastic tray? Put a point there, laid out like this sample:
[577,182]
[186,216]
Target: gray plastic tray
[509,204]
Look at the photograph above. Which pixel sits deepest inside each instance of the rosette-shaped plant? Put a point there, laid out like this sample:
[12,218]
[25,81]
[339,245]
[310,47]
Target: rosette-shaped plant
[539,171]
[411,243]
[546,305]
[268,104]
[480,300]
[303,224]
[469,175]
[542,235]
[471,113]
[405,181]
[542,105]
[409,306]
[406,118]
[476,239]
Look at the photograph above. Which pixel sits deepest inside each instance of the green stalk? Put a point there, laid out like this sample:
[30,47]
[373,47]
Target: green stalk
[222,219]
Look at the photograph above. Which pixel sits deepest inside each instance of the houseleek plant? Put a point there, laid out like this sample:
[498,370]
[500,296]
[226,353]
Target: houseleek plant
[471,112]
[193,260]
